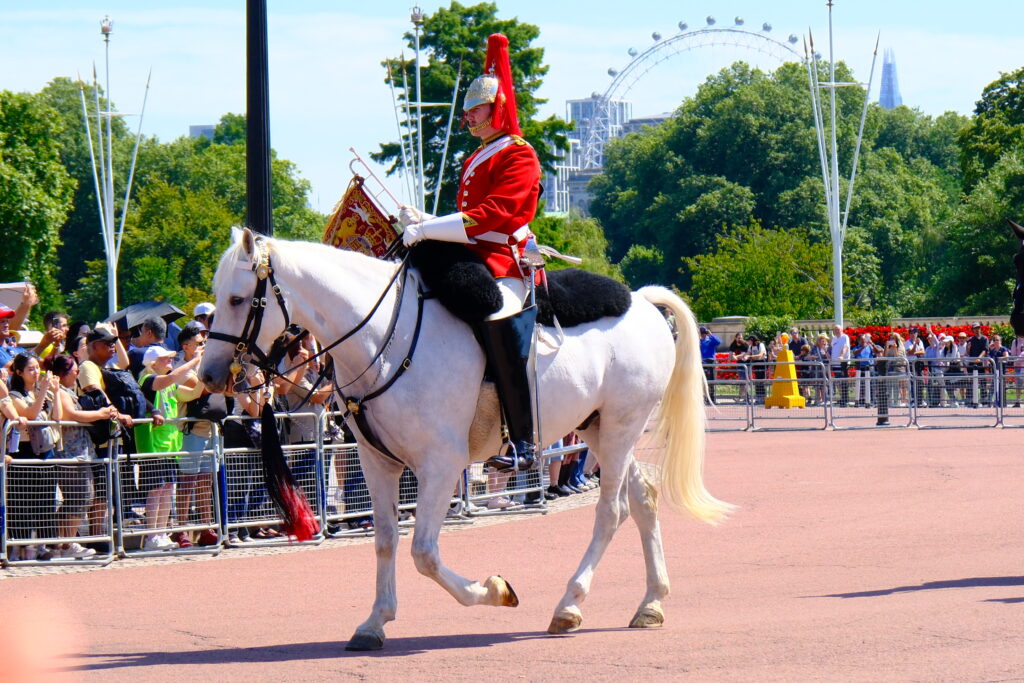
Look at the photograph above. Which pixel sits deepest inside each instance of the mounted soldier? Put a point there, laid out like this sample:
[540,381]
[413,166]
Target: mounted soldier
[497,199]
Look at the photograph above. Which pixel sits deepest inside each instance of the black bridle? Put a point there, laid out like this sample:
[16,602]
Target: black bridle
[246,343]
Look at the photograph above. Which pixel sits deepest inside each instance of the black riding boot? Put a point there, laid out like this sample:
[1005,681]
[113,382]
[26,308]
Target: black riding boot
[507,343]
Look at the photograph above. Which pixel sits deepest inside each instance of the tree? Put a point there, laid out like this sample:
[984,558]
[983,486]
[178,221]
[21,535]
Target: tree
[743,147]
[574,235]
[172,244]
[997,126]
[35,192]
[756,271]
[456,38]
[81,239]
[974,274]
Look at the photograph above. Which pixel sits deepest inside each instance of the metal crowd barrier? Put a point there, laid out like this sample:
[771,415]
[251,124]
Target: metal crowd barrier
[168,496]
[247,504]
[872,393]
[48,508]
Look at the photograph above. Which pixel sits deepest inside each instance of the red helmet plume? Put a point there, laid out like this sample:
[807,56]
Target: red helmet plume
[495,86]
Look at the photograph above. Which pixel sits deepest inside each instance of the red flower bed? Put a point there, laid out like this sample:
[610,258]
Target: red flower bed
[881,332]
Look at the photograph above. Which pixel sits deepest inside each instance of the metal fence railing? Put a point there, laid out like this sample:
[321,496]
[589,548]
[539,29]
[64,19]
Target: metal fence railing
[210,494]
[871,393]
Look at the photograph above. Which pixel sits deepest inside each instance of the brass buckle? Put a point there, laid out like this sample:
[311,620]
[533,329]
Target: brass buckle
[353,406]
[406,363]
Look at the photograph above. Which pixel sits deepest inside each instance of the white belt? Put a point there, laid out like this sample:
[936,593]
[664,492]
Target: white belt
[502,238]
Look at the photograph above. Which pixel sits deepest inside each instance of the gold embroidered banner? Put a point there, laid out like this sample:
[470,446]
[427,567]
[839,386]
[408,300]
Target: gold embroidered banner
[358,224]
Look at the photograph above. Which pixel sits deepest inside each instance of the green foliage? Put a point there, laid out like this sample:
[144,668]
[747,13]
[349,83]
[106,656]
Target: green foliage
[454,38]
[1005,333]
[574,235]
[642,265]
[35,192]
[881,316]
[761,272]
[767,327]
[80,234]
[975,274]
[997,127]
[743,149]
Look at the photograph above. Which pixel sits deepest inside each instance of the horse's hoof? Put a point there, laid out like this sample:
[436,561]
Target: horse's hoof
[500,593]
[565,622]
[647,617]
[364,642]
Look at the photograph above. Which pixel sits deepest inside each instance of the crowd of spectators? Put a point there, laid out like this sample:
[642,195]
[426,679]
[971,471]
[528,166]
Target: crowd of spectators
[100,381]
[947,367]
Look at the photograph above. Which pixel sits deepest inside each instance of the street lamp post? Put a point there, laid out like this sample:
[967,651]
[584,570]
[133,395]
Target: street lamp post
[417,23]
[829,156]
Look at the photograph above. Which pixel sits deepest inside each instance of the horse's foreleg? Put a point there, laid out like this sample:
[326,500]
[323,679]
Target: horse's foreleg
[435,494]
[611,510]
[382,477]
[643,506]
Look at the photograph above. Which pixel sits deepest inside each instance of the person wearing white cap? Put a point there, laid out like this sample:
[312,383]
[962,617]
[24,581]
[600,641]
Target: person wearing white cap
[156,476]
[204,313]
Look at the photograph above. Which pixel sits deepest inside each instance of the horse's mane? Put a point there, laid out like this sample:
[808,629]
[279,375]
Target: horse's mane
[292,258]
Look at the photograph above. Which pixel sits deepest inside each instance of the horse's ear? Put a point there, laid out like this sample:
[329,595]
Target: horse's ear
[236,235]
[248,241]
[1017,230]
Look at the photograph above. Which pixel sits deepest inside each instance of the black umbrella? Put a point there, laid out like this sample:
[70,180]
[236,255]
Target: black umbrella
[132,316]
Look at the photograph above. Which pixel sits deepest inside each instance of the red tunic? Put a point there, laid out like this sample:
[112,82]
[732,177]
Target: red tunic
[498,194]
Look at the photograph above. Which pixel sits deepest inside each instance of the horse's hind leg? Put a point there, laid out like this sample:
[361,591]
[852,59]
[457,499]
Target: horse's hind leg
[611,511]
[436,484]
[643,506]
[382,477]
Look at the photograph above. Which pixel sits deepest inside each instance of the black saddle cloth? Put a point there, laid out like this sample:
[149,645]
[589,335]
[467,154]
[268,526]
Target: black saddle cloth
[464,285]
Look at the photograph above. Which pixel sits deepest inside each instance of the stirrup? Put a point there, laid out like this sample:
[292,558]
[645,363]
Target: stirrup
[514,459]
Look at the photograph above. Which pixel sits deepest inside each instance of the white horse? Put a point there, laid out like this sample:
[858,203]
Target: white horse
[440,416]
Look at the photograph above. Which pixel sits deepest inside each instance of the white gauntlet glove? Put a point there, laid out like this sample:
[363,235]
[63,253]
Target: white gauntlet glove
[407,215]
[413,232]
[448,228]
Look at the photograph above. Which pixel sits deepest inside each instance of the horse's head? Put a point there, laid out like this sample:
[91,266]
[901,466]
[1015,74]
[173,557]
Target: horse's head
[242,273]
[1017,314]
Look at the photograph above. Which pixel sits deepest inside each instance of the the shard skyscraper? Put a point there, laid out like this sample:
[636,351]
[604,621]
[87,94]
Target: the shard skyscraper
[889,96]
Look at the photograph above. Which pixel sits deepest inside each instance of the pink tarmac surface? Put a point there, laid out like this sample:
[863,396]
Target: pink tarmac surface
[876,555]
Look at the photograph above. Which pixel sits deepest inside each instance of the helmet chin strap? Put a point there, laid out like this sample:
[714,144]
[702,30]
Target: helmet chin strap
[480,126]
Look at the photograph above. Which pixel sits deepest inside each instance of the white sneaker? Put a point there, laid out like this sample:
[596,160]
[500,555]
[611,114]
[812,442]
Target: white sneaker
[159,542]
[498,503]
[28,553]
[77,551]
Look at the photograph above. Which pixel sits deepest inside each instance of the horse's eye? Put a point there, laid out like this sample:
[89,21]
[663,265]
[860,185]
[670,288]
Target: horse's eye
[236,301]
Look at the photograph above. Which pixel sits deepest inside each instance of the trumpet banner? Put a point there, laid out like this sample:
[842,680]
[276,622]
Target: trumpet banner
[358,224]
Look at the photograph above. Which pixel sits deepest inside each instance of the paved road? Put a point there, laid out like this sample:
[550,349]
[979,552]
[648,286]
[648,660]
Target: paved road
[861,556]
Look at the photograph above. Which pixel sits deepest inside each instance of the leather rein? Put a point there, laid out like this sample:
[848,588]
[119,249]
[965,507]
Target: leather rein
[246,343]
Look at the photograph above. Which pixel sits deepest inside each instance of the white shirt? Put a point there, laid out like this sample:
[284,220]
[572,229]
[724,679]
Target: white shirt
[840,348]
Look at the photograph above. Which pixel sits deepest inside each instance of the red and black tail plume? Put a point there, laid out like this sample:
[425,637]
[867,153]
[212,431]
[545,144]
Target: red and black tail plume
[287,495]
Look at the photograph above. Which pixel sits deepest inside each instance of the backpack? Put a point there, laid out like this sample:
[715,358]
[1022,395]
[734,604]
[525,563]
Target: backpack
[124,392]
[100,431]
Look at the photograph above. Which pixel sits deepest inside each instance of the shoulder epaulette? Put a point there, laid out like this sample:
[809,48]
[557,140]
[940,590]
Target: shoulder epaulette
[519,141]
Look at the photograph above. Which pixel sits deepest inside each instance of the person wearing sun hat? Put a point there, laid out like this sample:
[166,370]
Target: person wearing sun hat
[497,199]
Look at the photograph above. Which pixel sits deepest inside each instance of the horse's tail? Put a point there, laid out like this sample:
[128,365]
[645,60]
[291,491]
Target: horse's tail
[680,420]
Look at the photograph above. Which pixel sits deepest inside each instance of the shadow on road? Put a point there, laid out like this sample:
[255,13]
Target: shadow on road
[976,582]
[394,647]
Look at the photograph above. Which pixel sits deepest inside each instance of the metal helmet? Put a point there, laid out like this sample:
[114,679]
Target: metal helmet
[495,87]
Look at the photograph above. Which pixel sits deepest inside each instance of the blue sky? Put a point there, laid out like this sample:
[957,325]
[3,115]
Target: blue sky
[327,92]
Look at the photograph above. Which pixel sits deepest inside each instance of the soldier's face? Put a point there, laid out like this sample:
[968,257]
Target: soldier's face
[478,119]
